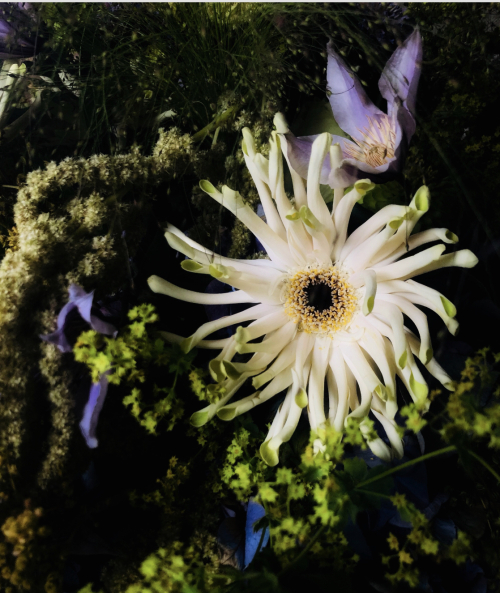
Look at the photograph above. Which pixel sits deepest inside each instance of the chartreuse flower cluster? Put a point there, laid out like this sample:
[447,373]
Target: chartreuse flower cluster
[126,359]
[176,568]
[419,541]
[308,506]
[467,418]
[325,307]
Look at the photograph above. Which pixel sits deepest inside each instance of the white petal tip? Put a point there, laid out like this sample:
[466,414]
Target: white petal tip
[281,123]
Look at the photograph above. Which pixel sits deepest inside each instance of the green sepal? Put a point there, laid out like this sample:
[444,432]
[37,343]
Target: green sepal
[382,392]
[270,456]
[419,389]
[187,344]
[368,306]
[218,271]
[451,236]
[190,265]
[227,413]
[301,398]
[449,307]
[199,418]
[207,187]
[395,223]
[242,335]
[308,218]
[231,370]
[422,199]
[362,186]
[425,357]
[217,370]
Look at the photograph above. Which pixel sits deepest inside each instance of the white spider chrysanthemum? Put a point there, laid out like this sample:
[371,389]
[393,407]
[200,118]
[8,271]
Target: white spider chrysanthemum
[328,306]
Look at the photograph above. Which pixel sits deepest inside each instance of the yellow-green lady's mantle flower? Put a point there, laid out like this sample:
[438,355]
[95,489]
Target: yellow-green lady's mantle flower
[327,305]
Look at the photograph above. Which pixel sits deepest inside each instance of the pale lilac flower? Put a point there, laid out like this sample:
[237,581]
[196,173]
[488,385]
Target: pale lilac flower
[379,140]
[93,407]
[328,306]
[82,302]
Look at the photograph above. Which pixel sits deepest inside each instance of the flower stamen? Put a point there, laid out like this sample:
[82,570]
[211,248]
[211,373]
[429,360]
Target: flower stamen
[320,300]
[377,143]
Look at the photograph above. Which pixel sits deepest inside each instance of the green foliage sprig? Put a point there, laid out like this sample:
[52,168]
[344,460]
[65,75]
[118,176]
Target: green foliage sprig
[127,358]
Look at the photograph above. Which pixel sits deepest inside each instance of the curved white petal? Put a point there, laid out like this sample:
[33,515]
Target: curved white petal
[161,286]
[212,326]
[419,319]
[371,226]
[407,268]
[338,367]
[316,393]
[416,241]
[208,344]
[343,214]
[275,246]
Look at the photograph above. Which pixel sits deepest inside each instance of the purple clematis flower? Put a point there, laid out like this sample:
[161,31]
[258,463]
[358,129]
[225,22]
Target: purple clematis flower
[379,141]
[81,302]
[93,407]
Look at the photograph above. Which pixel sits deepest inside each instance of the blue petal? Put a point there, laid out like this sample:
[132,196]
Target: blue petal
[444,530]
[255,511]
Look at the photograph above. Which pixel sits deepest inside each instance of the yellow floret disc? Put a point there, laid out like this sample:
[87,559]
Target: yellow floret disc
[320,300]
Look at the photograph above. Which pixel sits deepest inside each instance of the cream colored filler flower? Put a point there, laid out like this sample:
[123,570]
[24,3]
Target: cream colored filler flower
[329,307]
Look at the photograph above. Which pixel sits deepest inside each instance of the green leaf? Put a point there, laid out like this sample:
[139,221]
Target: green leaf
[317,118]
[382,486]
[356,468]
[382,195]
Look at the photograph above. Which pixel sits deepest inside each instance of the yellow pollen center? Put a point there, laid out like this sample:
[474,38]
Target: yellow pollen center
[320,300]
[377,142]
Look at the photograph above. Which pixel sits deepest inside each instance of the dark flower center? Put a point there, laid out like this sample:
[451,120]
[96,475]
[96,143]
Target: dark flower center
[319,296]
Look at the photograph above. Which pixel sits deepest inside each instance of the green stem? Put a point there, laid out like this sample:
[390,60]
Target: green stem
[407,464]
[311,543]
[374,494]
[220,119]
[486,465]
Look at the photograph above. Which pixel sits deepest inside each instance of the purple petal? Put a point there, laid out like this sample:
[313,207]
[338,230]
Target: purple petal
[84,304]
[76,292]
[58,339]
[404,119]
[402,72]
[298,152]
[102,326]
[350,105]
[84,301]
[63,313]
[88,424]
[346,175]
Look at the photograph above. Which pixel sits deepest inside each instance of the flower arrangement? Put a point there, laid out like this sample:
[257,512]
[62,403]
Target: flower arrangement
[276,396]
